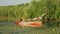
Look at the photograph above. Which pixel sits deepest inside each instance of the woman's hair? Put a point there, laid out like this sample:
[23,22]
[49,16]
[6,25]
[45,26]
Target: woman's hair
[21,19]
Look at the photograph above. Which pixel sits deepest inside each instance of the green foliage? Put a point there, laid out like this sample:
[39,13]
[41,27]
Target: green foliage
[33,9]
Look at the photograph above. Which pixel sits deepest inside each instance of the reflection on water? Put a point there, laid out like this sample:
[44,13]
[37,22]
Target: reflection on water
[11,28]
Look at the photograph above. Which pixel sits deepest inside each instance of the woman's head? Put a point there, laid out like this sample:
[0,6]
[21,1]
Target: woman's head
[21,19]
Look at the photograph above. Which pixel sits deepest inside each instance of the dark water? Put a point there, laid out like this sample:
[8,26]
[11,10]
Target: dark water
[12,28]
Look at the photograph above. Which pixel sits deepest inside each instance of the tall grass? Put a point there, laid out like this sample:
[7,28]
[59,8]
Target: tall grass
[31,10]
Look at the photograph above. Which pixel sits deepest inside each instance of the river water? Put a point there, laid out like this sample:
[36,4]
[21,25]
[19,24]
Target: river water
[12,28]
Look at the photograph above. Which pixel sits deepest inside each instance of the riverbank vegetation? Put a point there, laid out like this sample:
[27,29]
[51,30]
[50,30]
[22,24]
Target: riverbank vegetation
[31,10]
